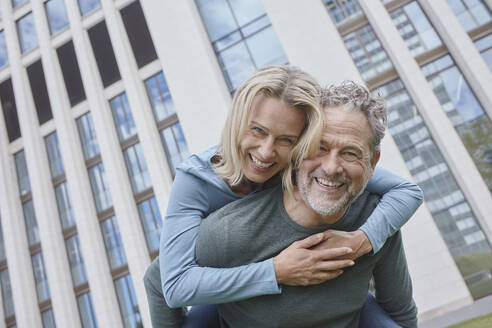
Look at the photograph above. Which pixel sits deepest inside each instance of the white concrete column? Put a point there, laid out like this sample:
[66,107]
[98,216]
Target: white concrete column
[462,49]
[50,232]
[314,44]
[194,77]
[88,229]
[148,134]
[446,137]
[123,202]
[15,240]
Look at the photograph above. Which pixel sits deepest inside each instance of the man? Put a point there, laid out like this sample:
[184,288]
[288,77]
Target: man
[329,195]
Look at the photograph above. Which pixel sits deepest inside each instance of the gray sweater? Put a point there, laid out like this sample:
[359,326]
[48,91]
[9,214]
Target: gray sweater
[257,227]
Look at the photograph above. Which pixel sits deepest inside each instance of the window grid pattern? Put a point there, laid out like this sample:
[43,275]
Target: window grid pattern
[86,311]
[7,298]
[415,28]
[31,223]
[88,6]
[48,319]
[367,52]
[464,111]
[123,118]
[343,11]
[112,241]
[484,45]
[128,302]
[151,222]
[76,260]
[57,15]
[26,31]
[18,3]
[88,137]
[4,58]
[167,121]
[242,37]
[444,198]
[470,13]
[42,288]
[22,173]
[137,168]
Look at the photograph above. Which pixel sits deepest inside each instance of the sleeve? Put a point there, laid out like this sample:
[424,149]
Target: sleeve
[393,284]
[400,199]
[183,281]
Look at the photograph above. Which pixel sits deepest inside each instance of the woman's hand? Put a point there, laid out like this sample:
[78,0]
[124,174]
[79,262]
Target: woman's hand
[356,240]
[299,265]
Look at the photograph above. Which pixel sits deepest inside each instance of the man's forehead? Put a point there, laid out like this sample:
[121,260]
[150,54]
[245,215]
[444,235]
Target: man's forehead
[345,124]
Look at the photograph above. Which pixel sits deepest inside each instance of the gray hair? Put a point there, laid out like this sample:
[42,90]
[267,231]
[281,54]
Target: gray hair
[351,96]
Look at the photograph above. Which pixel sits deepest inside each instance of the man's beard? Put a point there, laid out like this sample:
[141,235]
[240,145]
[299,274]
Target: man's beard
[318,203]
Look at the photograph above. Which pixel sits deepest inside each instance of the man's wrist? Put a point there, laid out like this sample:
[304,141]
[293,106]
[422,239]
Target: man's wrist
[365,243]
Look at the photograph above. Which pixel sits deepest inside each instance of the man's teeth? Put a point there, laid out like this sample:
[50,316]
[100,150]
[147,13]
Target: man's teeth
[328,183]
[261,164]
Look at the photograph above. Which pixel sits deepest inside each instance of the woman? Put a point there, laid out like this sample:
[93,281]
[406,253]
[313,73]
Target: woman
[274,116]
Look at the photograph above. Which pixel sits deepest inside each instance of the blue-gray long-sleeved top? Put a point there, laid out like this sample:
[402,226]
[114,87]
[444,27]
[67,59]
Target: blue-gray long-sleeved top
[258,227]
[198,191]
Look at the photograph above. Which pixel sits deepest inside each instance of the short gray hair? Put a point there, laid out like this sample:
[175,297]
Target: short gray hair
[351,96]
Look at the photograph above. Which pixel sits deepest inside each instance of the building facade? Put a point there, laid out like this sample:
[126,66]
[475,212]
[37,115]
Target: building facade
[101,99]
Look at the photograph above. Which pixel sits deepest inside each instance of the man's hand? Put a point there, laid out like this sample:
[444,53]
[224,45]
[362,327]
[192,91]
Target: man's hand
[298,265]
[356,240]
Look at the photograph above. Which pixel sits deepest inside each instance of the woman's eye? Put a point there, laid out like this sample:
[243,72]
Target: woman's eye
[257,130]
[286,141]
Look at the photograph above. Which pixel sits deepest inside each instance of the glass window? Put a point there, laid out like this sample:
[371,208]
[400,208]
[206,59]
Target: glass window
[138,34]
[3,256]
[175,145]
[484,45]
[17,3]
[464,111]
[57,15]
[128,302]
[86,310]
[64,206]
[137,168]
[88,6]
[367,53]
[444,198]
[4,58]
[341,11]
[123,117]
[40,277]
[471,14]
[9,109]
[28,39]
[8,300]
[100,187]
[54,155]
[88,137]
[151,221]
[71,73]
[31,223]
[48,319]
[415,28]
[159,96]
[242,36]
[104,53]
[113,243]
[39,91]
[22,174]
[79,276]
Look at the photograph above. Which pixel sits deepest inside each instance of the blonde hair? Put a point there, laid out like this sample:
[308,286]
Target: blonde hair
[296,89]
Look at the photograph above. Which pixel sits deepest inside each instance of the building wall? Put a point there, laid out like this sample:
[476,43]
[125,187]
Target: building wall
[104,178]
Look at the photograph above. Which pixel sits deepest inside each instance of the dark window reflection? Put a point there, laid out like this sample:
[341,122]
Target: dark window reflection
[39,91]
[103,51]
[27,33]
[71,73]
[138,33]
[9,110]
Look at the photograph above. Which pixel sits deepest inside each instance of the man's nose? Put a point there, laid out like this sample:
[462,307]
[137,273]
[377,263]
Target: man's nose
[331,163]
[267,148]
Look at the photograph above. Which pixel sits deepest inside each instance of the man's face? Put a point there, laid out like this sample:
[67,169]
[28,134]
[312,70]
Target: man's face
[329,182]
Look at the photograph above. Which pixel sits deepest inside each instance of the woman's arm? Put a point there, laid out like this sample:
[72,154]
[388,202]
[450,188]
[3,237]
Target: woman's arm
[400,199]
[183,281]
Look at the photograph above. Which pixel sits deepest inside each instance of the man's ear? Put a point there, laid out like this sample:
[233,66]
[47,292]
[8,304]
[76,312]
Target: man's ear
[375,159]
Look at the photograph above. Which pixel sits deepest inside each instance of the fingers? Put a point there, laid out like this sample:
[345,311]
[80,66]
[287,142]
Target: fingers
[333,265]
[309,241]
[332,253]
[323,276]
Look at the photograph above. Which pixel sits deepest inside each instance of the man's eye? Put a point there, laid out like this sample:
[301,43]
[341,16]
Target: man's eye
[350,156]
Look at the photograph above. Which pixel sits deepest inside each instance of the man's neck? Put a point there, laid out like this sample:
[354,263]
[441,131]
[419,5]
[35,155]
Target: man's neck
[302,214]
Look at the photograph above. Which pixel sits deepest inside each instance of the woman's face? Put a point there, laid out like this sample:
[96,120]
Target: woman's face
[272,131]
